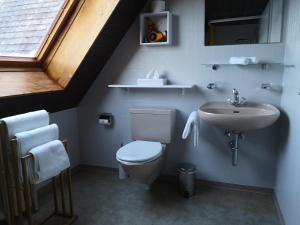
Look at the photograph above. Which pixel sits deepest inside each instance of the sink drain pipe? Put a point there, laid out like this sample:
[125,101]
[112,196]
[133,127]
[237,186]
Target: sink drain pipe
[234,145]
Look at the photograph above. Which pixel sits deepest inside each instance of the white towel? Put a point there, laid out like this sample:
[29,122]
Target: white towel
[192,123]
[49,160]
[243,60]
[25,122]
[33,138]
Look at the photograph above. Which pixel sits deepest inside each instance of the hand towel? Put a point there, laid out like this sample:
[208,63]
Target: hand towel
[243,60]
[49,160]
[25,122]
[192,123]
[33,138]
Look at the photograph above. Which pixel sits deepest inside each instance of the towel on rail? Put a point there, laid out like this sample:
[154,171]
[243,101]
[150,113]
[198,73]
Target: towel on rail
[33,138]
[49,160]
[192,123]
[243,60]
[25,122]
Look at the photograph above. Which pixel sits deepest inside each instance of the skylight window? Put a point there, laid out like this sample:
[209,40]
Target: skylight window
[25,25]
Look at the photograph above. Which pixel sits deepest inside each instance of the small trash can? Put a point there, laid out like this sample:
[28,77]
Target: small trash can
[187,179]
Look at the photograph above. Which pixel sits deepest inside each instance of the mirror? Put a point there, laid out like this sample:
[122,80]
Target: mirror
[235,22]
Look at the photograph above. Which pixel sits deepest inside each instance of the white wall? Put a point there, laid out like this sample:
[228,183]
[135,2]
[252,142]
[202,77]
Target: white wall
[68,125]
[288,179]
[182,63]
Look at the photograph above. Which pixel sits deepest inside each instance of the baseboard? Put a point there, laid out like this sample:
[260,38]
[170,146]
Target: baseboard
[278,209]
[76,169]
[237,187]
[222,185]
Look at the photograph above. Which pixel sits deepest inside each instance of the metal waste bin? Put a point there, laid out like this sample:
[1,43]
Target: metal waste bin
[187,179]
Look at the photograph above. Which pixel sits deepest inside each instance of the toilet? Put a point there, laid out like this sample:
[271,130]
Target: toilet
[142,159]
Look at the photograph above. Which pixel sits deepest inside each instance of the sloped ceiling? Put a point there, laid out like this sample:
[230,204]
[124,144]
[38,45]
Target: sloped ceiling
[105,44]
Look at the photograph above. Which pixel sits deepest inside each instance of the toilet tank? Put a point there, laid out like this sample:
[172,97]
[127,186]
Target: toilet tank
[152,124]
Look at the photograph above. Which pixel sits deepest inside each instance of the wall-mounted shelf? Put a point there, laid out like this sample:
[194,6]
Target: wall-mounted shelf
[162,21]
[263,65]
[128,87]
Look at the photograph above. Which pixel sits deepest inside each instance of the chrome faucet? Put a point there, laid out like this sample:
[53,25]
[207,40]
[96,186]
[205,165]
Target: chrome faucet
[237,101]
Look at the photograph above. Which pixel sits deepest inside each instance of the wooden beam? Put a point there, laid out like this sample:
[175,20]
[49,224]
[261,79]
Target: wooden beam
[22,83]
[88,23]
[17,62]
[57,30]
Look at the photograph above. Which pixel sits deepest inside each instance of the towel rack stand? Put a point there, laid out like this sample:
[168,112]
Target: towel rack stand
[19,197]
[64,176]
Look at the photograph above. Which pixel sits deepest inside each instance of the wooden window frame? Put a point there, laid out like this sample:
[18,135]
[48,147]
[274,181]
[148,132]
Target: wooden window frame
[60,23]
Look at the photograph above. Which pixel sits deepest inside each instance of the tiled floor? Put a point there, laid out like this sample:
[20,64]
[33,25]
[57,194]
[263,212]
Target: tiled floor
[102,199]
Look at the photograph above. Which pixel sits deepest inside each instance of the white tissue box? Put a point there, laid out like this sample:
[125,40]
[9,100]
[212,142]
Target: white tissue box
[243,60]
[153,82]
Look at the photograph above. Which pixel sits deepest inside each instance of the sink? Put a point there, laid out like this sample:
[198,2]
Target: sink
[249,116]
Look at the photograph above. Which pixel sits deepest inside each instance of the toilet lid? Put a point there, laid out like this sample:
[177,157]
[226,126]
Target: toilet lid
[140,151]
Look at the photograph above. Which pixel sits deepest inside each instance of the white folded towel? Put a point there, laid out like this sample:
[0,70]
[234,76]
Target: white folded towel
[243,60]
[49,160]
[192,122]
[33,138]
[27,121]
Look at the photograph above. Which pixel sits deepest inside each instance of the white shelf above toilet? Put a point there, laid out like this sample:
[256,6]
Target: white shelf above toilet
[150,86]
[133,86]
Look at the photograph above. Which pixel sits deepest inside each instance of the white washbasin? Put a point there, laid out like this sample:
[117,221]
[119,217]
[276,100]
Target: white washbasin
[249,116]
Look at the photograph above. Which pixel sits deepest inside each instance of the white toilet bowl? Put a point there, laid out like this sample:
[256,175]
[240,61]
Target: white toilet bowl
[142,161]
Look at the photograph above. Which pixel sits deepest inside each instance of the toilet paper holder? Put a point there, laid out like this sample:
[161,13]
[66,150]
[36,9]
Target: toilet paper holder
[106,119]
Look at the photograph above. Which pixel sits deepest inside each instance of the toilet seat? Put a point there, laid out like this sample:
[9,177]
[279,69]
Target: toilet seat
[139,151]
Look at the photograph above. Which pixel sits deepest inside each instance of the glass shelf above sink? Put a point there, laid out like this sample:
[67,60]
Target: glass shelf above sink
[263,65]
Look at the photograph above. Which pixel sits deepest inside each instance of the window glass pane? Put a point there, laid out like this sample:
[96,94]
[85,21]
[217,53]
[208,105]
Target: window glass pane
[24,25]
